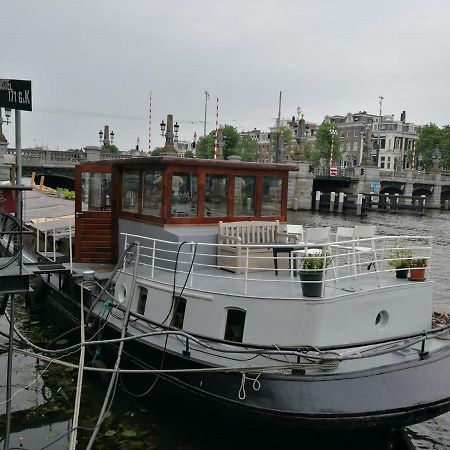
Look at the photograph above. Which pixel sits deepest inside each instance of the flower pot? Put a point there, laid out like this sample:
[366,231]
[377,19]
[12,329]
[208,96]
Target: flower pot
[315,285]
[417,274]
[401,273]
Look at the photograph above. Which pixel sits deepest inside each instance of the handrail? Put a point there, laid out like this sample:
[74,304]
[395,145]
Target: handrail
[349,260]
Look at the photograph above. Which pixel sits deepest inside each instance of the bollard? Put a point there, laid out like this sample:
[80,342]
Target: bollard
[317,200]
[359,204]
[341,202]
[446,204]
[249,203]
[332,200]
[295,204]
[422,202]
[396,201]
[387,200]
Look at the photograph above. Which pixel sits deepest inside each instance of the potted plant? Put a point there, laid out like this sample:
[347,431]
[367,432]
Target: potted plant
[312,273]
[400,260]
[417,269]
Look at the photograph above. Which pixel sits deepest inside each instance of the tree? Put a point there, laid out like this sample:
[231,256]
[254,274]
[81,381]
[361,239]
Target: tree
[247,148]
[112,149]
[205,147]
[324,140]
[312,155]
[432,137]
[157,150]
[285,142]
[230,141]
[189,154]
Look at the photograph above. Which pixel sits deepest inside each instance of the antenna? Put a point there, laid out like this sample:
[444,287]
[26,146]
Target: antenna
[206,107]
[149,125]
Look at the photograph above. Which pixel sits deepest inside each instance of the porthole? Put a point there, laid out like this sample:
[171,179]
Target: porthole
[122,293]
[382,319]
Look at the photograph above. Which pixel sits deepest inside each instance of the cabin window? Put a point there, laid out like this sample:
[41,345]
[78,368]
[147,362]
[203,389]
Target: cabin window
[178,312]
[142,300]
[130,189]
[244,196]
[271,196]
[96,191]
[234,328]
[184,194]
[152,193]
[216,191]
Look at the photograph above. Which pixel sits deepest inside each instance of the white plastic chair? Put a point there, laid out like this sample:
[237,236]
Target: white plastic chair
[365,243]
[345,240]
[313,236]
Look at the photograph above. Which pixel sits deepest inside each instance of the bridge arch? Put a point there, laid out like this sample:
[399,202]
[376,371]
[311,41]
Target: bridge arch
[392,190]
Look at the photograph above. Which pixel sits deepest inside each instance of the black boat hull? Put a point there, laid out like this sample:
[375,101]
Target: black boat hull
[386,397]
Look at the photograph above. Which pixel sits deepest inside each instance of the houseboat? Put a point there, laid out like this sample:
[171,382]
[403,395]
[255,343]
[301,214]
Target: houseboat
[193,263]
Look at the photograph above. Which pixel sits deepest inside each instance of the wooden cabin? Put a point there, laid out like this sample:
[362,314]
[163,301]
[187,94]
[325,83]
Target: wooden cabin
[170,197]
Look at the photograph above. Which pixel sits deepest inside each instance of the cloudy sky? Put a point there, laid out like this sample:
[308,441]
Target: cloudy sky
[94,62]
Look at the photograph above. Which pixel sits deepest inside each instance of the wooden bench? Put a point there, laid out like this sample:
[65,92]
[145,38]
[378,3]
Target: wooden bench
[232,254]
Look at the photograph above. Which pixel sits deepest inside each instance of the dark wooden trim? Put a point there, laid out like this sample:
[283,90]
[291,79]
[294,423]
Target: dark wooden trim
[258,194]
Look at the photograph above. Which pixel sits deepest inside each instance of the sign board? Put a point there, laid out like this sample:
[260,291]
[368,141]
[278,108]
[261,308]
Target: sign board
[15,94]
[333,171]
[374,186]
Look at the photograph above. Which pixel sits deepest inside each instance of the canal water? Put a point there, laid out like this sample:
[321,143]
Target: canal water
[44,394]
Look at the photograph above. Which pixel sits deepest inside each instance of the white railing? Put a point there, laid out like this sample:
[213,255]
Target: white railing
[352,265]
[54,229]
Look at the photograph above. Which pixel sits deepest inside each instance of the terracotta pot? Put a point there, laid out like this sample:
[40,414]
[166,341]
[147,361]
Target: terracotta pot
[417,274]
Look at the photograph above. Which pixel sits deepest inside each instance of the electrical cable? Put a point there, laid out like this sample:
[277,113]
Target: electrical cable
[114,377]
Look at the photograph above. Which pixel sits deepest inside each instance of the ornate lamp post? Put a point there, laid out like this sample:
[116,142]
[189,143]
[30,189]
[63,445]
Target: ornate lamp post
[170,133]
[106,137]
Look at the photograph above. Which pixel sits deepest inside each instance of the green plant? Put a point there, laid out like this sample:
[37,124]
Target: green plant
[401,258]
[66,193]
[316,262]
[419,262]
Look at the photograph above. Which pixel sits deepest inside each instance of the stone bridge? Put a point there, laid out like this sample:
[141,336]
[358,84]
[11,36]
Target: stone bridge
[355,180]
[56,166]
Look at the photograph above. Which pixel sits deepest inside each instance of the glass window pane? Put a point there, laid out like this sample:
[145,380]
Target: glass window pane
[179,310]
[130,189]
[216,194]
[234,328]
[244,196]
[152,193]
[96,191]
[271,196]
[184,194]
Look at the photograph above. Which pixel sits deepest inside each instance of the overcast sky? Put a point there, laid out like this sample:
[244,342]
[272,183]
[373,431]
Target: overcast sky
[94,62]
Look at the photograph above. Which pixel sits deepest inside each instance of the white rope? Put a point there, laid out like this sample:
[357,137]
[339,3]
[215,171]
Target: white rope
[256,385]
[76,409]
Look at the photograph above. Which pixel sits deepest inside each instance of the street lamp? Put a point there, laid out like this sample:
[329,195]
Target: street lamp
[105,137]
[7,115]
[436,156]
[163,128]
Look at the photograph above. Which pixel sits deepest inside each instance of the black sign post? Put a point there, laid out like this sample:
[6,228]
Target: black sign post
[15,94]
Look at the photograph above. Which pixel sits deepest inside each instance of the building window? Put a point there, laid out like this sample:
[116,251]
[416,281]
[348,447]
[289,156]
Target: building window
[179,310]
[142,300]
[271,196]
[382,162]
[234,328]
[382,142]
[244,196]
[216,195]
[184,194]
[130,189]
[152,193]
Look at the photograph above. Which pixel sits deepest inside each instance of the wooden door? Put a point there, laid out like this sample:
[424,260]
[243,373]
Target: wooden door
[94,238]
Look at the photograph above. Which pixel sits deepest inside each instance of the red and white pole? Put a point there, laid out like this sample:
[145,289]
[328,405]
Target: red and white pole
[150,125]
[216,143]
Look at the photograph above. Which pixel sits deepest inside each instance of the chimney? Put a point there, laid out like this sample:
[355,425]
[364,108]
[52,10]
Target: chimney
[403,117]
